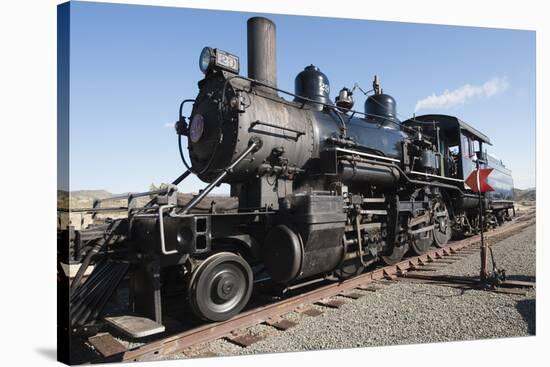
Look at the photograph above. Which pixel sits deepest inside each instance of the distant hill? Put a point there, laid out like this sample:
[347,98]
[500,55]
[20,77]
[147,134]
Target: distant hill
[91,194]
[85,199]
[525,194]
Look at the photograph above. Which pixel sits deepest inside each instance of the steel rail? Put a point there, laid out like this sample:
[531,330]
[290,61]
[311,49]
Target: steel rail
[212,331]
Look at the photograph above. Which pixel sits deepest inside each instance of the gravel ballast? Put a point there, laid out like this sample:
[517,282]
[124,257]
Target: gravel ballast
[405,312]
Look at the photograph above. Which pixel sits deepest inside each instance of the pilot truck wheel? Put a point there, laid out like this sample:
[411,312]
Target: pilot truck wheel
[220,287]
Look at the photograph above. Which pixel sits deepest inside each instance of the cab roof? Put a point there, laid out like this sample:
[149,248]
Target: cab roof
[447,121]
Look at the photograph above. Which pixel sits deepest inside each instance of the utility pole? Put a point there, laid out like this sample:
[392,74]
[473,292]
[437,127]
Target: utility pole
[484,273]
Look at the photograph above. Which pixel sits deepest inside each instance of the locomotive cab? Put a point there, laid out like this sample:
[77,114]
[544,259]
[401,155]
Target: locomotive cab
[462,149]
[457,143]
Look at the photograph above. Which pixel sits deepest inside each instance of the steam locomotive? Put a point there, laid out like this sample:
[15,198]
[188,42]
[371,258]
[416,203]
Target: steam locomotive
[323,191]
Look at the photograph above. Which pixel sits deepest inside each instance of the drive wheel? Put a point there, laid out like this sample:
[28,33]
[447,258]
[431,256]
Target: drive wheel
[442,232]
[220,287]
[421,242]
[396,254]
[349,269]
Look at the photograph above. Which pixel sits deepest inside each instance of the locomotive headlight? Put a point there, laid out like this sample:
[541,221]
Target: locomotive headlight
[196,128]
[206,58]
[213,58]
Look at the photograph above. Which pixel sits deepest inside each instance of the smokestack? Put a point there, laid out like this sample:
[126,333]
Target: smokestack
[262,51]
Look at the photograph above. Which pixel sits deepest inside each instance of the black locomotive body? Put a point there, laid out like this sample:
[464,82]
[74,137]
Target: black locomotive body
[323,190]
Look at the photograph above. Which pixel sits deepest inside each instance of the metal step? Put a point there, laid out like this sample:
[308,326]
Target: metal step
[135,326]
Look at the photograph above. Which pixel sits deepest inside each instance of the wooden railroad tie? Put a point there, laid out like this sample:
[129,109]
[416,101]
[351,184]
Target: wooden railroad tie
[280,323]
[106,344]
[332,303]
[368,288]
[309,311]
[352,295]
[243,338]
[199,351]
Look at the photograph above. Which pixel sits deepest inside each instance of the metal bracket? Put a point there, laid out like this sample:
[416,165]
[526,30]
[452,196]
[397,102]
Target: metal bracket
[161,230]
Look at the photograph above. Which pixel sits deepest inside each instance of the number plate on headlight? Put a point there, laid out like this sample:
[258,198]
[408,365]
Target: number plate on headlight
[227,61]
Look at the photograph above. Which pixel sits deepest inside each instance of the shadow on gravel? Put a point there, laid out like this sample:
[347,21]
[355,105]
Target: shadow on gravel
[523,278]
[527,310]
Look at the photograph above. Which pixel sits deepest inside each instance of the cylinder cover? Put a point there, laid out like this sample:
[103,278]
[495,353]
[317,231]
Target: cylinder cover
[282,254]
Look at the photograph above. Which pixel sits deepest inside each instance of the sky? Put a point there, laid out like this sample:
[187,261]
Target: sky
[130,66]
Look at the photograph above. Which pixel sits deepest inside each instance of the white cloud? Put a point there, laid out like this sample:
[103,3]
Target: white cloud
[169,124]
[451,98]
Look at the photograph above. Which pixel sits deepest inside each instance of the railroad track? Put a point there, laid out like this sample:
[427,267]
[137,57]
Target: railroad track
[271,314]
